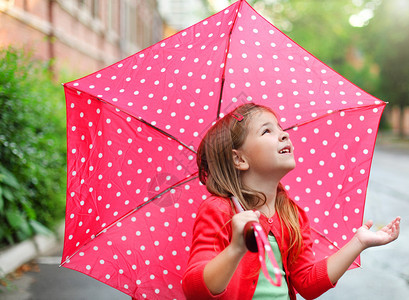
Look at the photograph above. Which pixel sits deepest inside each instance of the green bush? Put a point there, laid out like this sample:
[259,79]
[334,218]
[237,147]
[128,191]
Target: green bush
[32,148]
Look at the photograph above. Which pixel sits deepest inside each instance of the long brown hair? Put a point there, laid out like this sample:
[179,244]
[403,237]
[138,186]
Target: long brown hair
[222,178]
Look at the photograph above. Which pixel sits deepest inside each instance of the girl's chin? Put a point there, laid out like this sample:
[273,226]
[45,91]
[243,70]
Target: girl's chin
[286,169]
[291,167]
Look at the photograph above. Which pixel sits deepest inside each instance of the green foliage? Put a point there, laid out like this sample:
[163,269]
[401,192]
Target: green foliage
[388,42]
[32,148]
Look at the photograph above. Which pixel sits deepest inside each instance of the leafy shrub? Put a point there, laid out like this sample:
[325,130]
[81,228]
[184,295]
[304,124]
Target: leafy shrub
[32,147]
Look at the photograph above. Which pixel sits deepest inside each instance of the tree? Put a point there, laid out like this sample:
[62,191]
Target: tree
[388,40]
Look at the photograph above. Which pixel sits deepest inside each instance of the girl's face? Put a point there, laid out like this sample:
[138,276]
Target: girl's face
[267,149]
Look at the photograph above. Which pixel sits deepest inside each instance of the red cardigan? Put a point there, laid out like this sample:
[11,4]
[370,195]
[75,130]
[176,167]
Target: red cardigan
[212,233]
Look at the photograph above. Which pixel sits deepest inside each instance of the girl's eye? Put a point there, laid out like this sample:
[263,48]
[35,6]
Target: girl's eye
[265,131]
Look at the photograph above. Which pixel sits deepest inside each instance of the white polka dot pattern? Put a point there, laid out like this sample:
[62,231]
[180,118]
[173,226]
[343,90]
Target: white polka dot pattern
[332,172]
[133,128]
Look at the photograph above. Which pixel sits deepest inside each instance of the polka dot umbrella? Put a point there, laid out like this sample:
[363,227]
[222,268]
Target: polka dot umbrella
[133,129]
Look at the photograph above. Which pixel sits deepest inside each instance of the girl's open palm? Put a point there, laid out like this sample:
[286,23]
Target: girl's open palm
[383,236]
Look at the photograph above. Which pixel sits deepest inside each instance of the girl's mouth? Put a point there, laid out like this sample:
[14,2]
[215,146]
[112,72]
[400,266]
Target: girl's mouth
[285,150]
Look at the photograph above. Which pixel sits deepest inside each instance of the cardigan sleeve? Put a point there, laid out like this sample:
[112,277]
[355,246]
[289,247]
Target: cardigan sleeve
[309,278]
[210,237]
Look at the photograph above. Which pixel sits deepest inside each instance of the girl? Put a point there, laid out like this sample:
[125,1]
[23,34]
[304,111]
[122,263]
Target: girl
[245,155]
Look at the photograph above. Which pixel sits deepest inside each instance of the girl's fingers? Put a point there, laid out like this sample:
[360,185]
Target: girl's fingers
[394,224]
[392,229]
[368,224]
[238,222]
[396,227]
[244,217]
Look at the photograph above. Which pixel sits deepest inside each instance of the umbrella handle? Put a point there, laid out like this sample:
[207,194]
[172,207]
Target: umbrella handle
[250,237]
[256,241]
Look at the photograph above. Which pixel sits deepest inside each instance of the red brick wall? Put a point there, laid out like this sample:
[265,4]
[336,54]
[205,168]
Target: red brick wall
[80,44]
[13,32]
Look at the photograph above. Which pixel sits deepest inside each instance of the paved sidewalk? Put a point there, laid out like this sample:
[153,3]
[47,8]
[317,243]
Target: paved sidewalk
[45,280]
[13,257]
[389,141]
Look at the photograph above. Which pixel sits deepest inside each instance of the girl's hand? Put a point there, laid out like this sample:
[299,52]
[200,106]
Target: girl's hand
[238,222]
[340,261]
[219,271]
[383,236]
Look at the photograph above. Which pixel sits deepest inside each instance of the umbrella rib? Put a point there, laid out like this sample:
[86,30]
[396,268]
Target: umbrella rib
[331,242]
[137,118]
[225,60]
[164,133]
[179,183]
[336,111]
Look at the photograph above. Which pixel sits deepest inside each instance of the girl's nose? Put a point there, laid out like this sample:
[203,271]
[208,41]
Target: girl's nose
[284,136]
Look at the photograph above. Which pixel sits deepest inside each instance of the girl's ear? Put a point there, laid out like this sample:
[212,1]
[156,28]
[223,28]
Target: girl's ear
[239,161]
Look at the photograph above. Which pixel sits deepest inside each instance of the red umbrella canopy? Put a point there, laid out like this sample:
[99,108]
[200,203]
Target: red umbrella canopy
[133,127]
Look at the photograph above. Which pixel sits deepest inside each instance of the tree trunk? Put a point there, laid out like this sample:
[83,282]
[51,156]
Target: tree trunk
[401,129]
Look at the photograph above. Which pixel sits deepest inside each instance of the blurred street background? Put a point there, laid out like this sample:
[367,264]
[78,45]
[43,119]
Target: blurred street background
[46,42]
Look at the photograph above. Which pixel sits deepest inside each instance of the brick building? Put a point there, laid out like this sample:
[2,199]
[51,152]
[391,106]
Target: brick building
[80,36]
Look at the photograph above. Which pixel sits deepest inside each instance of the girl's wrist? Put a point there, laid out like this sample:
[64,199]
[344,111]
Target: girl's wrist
[236,252]
[356,241]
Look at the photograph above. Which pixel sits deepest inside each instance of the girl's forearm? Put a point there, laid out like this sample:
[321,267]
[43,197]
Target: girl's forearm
[339,262]
[219,271]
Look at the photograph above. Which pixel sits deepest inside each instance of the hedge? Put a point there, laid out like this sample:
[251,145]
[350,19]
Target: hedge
[32,148]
